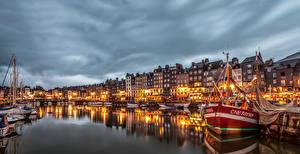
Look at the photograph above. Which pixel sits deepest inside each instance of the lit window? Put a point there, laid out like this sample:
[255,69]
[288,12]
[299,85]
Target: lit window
[283,82]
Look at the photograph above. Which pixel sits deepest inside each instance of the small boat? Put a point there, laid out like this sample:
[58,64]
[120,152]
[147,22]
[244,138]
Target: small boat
[107,103]
[33,112]
[15,118]
[182,105]
[132,104]
[26,111]
[12,110]
[95,103]
[6,128]
[49,103]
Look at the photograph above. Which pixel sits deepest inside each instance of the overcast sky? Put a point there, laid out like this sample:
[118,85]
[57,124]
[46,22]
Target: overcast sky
[74,42]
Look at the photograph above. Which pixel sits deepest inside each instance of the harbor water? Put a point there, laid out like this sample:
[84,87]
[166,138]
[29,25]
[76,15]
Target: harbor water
[85,129]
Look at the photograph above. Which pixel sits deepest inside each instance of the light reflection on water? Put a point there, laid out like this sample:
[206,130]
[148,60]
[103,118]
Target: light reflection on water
[85,129]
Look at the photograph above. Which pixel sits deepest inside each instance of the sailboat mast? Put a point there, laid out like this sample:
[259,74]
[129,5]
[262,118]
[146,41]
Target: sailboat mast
[14,80]
[21,90]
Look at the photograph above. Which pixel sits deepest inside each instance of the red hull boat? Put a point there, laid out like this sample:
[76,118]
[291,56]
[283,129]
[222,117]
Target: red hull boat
[230,120]
[226,119]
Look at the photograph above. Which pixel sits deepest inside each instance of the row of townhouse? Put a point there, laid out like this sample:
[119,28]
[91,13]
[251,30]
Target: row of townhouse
[283,75]
[177,83]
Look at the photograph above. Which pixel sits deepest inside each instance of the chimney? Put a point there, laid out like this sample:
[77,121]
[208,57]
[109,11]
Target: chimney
[206,61]
[178,66]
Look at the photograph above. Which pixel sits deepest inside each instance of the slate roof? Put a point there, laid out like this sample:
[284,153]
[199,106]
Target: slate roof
[249,59]
[294,56]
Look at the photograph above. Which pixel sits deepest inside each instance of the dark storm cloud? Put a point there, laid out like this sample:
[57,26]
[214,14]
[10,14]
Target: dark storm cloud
[67,42]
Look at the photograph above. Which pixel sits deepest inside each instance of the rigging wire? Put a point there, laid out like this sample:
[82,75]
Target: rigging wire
[9,65]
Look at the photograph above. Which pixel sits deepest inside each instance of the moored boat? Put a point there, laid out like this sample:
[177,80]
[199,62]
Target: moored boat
[227,117]
[95,103]
[132,104]
[6,128]
[107,103]
[224,119]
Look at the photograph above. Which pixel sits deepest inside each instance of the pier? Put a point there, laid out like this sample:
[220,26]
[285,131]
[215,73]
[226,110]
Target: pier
[285,128]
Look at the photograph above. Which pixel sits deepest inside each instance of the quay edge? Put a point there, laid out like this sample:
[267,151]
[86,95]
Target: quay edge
[285,128]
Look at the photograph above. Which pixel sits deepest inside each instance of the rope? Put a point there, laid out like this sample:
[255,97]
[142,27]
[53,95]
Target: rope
[9,65]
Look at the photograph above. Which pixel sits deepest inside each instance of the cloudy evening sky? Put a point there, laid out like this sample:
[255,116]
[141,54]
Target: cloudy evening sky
[74,42]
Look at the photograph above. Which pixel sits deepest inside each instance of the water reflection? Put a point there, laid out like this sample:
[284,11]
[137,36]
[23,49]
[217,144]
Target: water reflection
[245,143]
[178,128]
[165,125]
[9,144]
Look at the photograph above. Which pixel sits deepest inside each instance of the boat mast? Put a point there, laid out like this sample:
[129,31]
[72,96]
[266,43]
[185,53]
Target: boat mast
[227,77]
[14,80]
[257,71]
[21,90]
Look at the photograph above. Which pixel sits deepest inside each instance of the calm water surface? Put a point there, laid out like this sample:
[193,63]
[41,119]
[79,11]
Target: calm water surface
[84,129]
